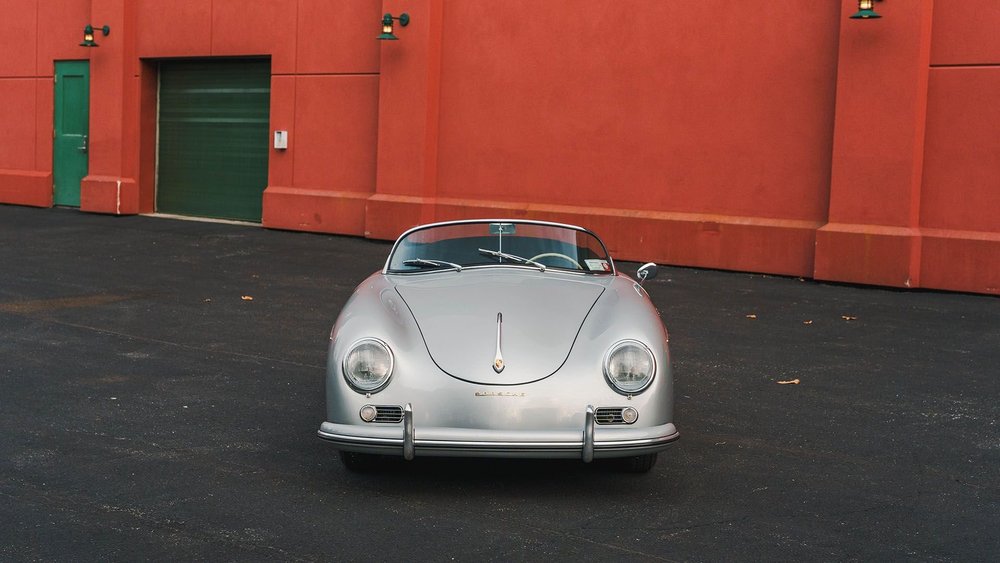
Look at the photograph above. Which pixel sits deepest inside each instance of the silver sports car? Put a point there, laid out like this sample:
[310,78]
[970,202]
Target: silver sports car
[500,338]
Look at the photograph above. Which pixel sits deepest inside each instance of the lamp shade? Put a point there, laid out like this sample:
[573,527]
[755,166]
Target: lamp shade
[88,37]
[865,15]
[866,10]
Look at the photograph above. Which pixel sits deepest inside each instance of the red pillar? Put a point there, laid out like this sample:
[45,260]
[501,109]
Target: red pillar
[111,185]
[872,235]
[410,78]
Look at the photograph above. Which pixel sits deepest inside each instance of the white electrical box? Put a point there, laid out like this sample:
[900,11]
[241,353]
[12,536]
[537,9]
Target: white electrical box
[281,140]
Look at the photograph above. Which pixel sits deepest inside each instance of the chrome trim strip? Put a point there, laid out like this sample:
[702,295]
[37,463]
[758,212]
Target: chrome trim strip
[615,348]
[403,441]
[475,445]
[343,365]
[498,359]
[596,445]
[360,440]
[506,265]
[588,435]
[397,442]
[408,432]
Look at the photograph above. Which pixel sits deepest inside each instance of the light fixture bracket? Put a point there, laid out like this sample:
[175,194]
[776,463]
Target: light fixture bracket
[387,31]
[866,10]
[88,35]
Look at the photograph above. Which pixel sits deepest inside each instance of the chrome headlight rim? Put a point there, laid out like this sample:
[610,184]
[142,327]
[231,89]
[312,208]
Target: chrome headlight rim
[607,364]
[358,387]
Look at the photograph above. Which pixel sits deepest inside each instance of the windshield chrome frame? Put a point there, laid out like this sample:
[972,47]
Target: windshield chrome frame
[385,268]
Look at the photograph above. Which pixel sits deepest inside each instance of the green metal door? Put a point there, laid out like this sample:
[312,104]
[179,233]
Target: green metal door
[71,127]
[213,138]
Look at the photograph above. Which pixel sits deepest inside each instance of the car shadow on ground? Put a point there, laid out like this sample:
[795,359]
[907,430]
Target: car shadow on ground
[472,475]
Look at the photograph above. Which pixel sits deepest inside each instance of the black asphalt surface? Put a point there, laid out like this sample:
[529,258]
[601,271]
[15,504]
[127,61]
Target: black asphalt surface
[149,410]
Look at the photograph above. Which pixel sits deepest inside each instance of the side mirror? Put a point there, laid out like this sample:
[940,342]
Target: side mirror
[646,272]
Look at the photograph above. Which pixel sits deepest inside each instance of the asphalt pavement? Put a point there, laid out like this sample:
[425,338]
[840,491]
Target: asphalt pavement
[161,384]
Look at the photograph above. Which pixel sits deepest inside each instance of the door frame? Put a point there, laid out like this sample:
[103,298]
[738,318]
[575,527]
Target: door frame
[68,195]
[152,87]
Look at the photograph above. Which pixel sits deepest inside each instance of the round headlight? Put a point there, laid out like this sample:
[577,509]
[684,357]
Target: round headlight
[629,367]
[368,365]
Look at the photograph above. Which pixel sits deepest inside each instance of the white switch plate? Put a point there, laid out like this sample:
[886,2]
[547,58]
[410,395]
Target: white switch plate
[281,140]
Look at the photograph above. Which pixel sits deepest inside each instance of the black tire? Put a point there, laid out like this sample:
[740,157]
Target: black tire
[639,463]
[358,462]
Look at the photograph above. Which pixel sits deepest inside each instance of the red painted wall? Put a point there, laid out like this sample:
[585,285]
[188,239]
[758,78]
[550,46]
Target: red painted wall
[960,195]
[738,123]
[679,141]
[769,137]
[30,47]
[916,176]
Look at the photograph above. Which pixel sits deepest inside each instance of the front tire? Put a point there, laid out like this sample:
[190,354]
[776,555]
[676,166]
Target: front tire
[639,463]
[358,462]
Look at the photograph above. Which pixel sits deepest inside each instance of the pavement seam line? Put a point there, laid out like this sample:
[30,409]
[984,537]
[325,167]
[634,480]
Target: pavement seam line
[179,345]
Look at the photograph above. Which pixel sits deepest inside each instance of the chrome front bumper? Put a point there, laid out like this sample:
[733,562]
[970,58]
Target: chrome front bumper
[588,443]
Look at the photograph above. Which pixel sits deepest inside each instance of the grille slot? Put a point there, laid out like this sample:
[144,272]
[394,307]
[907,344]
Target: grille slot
[609,415]
[388,413]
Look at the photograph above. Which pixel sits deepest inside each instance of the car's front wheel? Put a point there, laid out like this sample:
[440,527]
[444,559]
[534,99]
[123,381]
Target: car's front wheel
[639,463]
[358,462]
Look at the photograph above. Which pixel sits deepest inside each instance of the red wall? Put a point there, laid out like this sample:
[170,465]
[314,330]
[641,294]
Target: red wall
[32,32]
[764,136]
[960,197]
[916,174]
[679,140]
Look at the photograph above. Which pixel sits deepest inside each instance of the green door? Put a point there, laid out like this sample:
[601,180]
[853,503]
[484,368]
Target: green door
[213,138]
[72,125]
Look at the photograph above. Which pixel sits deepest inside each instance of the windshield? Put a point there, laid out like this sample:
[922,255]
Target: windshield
[488,243]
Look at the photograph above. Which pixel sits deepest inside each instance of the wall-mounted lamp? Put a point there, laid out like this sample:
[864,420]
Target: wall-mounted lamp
[866,10]
[88,35]
[403,19]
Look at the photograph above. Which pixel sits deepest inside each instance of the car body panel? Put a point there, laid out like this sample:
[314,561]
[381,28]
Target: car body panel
[541,315]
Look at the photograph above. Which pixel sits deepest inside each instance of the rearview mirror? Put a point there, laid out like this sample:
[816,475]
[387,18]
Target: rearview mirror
[646,272]
[502,228]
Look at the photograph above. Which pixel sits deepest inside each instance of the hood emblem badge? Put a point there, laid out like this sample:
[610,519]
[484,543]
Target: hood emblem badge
[498,360]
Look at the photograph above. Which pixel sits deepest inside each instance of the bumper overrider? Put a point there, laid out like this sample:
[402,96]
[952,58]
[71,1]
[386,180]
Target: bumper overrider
[588,443]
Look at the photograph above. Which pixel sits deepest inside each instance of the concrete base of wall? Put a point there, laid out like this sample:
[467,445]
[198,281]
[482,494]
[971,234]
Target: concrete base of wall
[904,257]
[26,187]
[106,194]
[868,254]
[689,239]
[321,211]
[960,261]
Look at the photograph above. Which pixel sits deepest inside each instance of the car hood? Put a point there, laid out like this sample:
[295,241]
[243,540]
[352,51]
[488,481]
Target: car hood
[540,315]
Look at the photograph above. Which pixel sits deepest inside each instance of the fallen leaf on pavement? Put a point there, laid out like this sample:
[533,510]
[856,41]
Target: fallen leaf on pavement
[247,298]
[807,322]
[789,382]
[751,316]
[849,317]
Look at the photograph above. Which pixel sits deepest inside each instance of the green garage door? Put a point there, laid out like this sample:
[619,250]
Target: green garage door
[213,138]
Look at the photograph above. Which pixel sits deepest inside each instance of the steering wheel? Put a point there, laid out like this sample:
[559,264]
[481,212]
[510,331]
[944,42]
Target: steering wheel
[557,255]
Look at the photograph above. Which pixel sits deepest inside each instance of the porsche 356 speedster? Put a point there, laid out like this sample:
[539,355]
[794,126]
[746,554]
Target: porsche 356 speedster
[500,338]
